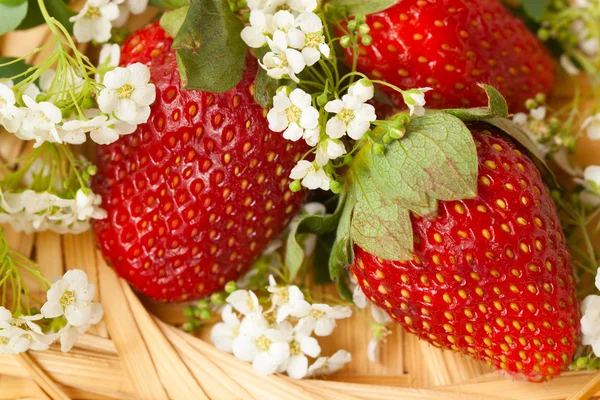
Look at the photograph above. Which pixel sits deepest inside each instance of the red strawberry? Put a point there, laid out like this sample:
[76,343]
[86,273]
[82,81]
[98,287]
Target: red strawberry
[194,195]
[491,276]
[150,46]
[450,46]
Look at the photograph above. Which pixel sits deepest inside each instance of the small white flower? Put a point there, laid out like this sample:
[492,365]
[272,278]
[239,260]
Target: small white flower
[93,22]
[223,333]
[310,38]
[312,136]
[538,114]
[86,206]
[363,90]
[39,341]
[13,340]
[137,6]
[520,119]
[592,126]
[568,65]
[282,61]
[35,202]
[292,114]
[40,121]
[329,365]
[10,115]
[380,316]
[261,25]
[359,298]
[329,149]
[5,317]
[302,345]
[72,296]
[590,322]
[69,335]
[288,300]
[373,350]
[353,117]
[592,174]
[312,177]
[415,100]
[128,93]
[245,302]
[267,348]
[322,319]
[108,59]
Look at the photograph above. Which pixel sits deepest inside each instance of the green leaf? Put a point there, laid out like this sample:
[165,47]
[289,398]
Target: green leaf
[497,107]
[11,16]
[524,140]
[535,8]
[171,21]
[12,2]
[34,16]
[354,7]
[210,51]
[318,224]
[321,258]
[13,69]
[264,88]
[436,160]
[342,252]
[169,4]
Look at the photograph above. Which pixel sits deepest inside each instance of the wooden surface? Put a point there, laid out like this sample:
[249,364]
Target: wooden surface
[129,355]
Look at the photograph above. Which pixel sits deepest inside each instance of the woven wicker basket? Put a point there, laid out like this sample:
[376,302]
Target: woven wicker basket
[137,353]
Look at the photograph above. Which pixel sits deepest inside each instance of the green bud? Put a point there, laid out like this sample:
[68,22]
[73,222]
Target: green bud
[66,184]
[348,159]
[345,41]
[188,311]
[540,98]
[322,99]
[387,139]
[530,104]
[336,187]
[217,298]
[360,19]
[85,176]
[295,186]
[366,40]
[231,287]
[197,312]
[543,34]
[92,170]
[397,133]
[581,363]
[188,327]
[556,195]
[41,97]
[379,148]
[205,314]
[202,304]
[352,25]
[364,29]
[88,103]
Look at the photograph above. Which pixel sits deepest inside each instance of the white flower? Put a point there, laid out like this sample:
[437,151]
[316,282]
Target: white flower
[108,59]
[261,25]
[223,333]
[302,345]
[353,116]
[34,202]
[329,149]
[363,90]
[329,365]
[69,335]
[415,100]
[94,20]
[13,340]
[128,93]
[359,298]
[592,126]
[271,6]
[39,341]
[10,115]
[312,136]
[5,317]
[322,319]
[373,350]
[245,302]
[380,316]
[311,38]
[137,6]
[592,174]
[86,206]
[590,322]
[312,177]
[72,296]
[266,348]
[282,61]
[292,114]
[568,65]
[74,83]
[520,119]
[538,113]
[40,121]
[288,300]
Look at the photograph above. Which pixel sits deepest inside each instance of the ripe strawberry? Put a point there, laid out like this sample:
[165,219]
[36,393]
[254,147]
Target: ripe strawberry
[194,195]
[491,276]
[450,46]
[150,46]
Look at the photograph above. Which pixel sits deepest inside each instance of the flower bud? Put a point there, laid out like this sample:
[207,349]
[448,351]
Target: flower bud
[348,159]
[345,41]
[231,287]
[366,40]
[352,25]
[364,29]
[336,187]
[217,298]
[188,327]
[204,314]
[202,304]
[387,139]
[379,149]
[88,103]
[530,104]
[322,99]
[543,34]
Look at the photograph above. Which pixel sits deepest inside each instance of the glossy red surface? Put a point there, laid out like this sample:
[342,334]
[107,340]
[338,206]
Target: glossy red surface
[491,276]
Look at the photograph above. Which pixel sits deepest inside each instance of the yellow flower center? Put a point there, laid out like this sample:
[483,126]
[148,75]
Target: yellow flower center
[317,314]
[295,348]
[313,39]
[346,115]
[4,340]
[293,113]
[125,91]
[93,12]
[263,343]
[67,298]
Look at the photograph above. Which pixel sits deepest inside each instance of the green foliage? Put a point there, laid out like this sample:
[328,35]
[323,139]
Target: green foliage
[11,16]
[497,107]
[357,7]
[13,69]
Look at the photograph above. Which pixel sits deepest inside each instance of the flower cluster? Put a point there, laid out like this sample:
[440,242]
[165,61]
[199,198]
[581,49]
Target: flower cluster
[590,320]
[295,37]
[279,339]
[124,99]
[69,306]
[96,19]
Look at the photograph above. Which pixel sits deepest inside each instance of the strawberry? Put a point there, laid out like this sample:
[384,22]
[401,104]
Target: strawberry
[150,45]
[450,46]
[195,194]
[490,276]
